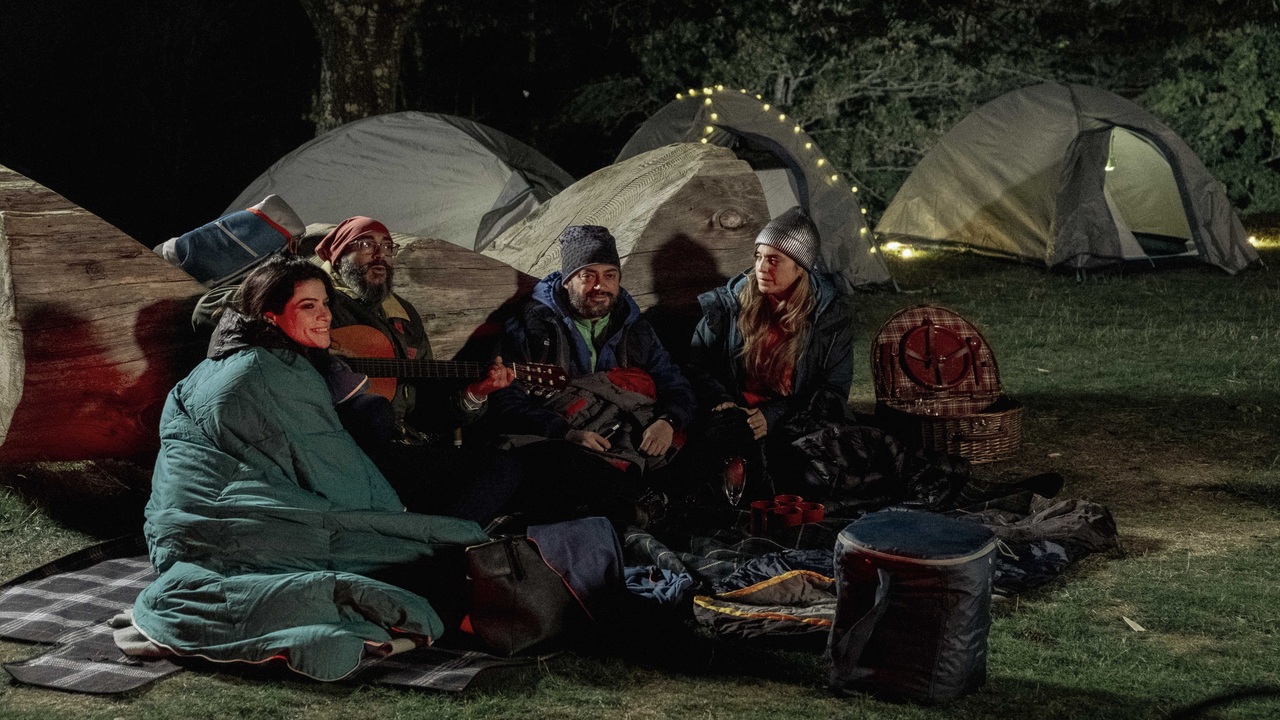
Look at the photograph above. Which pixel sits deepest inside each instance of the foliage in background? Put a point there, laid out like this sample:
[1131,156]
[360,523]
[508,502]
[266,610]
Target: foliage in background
[1223,97]
[877,82]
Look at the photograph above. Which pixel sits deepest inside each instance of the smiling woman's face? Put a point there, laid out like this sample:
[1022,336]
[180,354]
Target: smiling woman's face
[306,316]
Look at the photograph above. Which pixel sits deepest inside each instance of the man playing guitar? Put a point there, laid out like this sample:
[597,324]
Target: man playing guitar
[370,320]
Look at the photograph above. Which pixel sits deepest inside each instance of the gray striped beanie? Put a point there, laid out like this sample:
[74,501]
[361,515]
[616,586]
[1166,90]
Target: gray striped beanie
[793,233]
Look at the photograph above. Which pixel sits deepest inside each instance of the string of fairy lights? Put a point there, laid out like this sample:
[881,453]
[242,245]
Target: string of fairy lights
[833,178]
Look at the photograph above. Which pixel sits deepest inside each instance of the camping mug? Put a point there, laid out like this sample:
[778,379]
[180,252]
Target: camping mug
[787,500]
[760,512]
[813,512]
[787,515]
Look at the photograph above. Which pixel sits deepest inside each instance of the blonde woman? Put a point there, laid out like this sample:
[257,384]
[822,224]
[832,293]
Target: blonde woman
[775,341]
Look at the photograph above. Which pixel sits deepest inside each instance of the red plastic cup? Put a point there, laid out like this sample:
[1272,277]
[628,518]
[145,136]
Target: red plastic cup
[787,500]
[813,512]
[788,515]
[760,512]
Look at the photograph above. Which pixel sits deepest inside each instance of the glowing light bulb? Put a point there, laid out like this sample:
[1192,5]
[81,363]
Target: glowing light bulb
[679,96]
[706,90]
[708,130]
[854,188]
[834,177]
[766,107]
[704,141]
[692,92]
[808,146]
[822,161]
[1253,239]
[720,88]
[758,97]
[864,211]
[715,116]
[796,129]
[782,117]
[907,252]
[893,245]
[707,101]
[742,90]
[863,231]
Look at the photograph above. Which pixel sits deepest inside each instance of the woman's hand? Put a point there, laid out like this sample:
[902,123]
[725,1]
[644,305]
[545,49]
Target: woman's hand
[498,377]
[755,420]
[588,439]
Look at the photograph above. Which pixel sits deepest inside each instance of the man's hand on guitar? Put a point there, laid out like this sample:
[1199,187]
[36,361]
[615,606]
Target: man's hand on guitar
[498,377]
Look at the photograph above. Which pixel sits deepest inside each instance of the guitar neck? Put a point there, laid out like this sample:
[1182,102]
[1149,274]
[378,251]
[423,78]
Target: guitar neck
[398,368]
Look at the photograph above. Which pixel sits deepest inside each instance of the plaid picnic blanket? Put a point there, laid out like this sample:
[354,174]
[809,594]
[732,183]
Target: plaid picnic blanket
[71,601]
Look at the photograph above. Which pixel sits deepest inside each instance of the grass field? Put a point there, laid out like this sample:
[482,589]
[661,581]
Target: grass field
[1156,393]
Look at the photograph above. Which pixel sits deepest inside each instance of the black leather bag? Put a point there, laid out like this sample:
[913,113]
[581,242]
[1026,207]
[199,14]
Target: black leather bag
[518,602]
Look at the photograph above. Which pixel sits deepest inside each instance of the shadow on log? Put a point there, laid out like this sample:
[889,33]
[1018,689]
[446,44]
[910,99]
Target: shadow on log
[93,331]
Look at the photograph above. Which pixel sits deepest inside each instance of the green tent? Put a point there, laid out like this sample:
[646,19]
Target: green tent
[791,167]
[1072,176]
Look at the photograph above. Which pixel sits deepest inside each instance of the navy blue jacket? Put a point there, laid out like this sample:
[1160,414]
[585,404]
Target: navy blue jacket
[825,368]
[544,332]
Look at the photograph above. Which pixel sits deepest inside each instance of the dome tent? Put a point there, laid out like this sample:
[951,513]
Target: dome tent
[791,168]
[421,174]
[1070,175]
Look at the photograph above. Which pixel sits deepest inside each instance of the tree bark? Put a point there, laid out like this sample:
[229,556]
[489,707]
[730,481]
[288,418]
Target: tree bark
[359,57]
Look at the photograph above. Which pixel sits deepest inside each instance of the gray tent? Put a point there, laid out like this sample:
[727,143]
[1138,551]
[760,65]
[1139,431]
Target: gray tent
[421,174]
[1073,176]
[791,168]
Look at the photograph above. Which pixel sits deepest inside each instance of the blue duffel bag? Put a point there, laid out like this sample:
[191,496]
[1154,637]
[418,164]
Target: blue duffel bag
[913,606]
[222,251]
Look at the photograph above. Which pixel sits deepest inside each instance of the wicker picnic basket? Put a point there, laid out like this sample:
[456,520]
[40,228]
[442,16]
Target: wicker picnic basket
[938,386]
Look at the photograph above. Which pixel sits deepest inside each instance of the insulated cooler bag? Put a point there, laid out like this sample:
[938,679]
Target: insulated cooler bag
[913,606]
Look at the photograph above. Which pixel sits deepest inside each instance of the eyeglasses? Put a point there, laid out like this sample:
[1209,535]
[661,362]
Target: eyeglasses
[387,248]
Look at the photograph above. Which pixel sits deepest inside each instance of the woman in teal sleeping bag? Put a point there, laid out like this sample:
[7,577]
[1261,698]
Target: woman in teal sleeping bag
[266,522]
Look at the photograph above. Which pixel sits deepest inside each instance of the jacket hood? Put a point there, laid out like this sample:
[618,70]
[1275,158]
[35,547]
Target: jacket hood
[550,292]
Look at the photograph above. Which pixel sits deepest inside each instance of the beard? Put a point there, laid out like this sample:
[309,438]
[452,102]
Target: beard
[361,280]
[591,304]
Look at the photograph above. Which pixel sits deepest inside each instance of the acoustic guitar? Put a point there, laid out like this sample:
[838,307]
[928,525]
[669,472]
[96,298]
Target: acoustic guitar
[368,351]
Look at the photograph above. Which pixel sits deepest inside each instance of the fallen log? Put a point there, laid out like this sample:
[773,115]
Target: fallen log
[94,331]
[685,217]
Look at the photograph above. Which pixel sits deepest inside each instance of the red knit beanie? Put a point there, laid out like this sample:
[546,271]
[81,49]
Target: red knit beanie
[335,243]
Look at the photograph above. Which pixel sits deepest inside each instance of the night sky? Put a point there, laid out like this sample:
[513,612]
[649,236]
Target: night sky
[153,114]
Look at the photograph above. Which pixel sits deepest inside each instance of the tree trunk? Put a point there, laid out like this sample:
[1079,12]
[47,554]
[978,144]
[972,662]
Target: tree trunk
[359,57]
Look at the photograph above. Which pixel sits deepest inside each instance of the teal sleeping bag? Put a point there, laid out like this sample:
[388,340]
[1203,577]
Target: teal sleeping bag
[265,520]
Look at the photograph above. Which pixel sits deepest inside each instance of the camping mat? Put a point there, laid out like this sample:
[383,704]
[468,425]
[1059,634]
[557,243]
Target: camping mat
[69,602]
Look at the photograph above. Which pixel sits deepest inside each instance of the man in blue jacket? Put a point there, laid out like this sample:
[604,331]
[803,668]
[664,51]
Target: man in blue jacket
[581,319]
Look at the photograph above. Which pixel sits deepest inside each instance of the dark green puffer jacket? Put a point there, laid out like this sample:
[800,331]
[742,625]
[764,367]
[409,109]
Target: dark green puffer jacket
[265,518]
